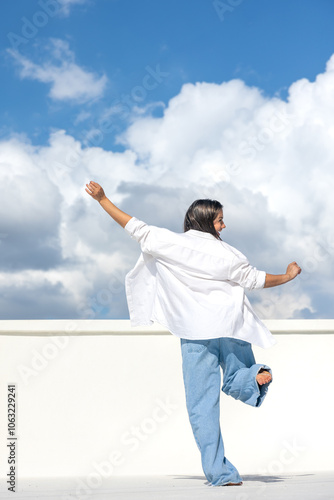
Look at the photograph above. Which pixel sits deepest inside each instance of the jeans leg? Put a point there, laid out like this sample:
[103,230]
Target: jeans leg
[201,374]
[240,370]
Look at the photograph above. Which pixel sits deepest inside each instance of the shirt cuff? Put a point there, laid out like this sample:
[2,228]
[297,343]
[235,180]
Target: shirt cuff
[261,279]
[131,225]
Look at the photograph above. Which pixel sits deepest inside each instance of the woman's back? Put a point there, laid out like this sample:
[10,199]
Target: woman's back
[194,284]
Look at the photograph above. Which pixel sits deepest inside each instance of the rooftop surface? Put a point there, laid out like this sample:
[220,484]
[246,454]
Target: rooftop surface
[305,486]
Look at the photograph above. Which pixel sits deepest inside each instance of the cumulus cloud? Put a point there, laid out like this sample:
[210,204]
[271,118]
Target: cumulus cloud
[267,160]
[69,81]
[31,228]
[284,305]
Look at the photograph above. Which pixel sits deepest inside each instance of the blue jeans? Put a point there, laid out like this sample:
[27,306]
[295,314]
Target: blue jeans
[201,362]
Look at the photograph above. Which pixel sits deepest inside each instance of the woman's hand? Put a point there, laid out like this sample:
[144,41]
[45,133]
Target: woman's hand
[293,270]
[95,191]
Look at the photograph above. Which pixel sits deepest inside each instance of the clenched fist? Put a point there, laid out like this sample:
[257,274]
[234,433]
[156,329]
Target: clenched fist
[293,270]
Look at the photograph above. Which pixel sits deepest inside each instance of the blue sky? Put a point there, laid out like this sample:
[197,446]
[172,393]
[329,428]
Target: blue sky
[266,44]
[162,102]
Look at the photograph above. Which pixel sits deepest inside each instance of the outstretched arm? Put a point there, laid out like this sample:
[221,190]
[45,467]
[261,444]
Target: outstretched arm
[278,279]
[95,191]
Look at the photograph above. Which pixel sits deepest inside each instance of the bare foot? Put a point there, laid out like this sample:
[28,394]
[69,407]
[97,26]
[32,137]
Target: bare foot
[263,377]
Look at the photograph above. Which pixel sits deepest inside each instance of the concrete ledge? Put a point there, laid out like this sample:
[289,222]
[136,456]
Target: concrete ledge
[110,398]
[121,327]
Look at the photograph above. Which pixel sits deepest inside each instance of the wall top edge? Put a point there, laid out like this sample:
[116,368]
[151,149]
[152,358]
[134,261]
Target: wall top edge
[119,327]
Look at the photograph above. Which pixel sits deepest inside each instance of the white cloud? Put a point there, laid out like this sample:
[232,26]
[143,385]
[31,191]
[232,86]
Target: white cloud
[82,116]
[69,82]
[66,5]
[274,304]
[268,161]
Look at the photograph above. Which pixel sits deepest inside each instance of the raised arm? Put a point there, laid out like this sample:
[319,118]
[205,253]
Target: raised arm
[95,191]
[278,279]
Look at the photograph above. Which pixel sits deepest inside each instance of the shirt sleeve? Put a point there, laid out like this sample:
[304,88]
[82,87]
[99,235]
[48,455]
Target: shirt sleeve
[139,231]
[245,275]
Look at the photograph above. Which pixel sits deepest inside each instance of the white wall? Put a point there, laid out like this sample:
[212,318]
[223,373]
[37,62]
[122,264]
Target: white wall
[115,403]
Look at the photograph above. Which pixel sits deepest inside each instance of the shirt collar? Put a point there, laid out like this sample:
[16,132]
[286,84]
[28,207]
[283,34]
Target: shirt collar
[201,234]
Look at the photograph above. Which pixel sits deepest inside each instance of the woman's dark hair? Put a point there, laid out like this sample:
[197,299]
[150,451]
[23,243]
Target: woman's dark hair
[200,216]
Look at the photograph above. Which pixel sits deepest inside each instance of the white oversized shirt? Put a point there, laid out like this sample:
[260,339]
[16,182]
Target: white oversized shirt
[193,284]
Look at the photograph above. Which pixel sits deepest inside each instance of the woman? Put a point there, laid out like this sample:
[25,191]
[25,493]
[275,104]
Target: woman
[193,284]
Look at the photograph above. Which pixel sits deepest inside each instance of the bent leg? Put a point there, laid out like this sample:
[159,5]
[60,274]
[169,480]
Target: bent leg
[201,374]
[240,371]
